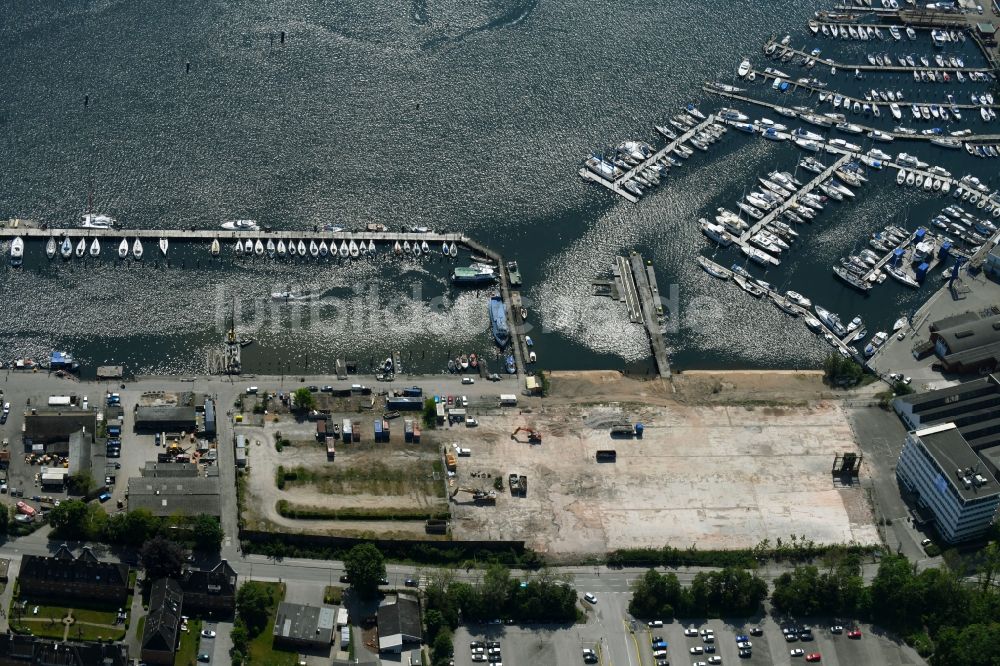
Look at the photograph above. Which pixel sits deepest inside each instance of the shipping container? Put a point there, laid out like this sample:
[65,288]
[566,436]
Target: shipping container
[320,430]
[607,455]
[413,392]
[377,426]
[450,461]
[386,431]
[440,413]
[416,434]
[60,401]
[356,431]
[345,430]
[408,430]
[508,399]
[331,451]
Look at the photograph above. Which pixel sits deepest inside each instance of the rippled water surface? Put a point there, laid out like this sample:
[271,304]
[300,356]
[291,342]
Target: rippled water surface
[468,115]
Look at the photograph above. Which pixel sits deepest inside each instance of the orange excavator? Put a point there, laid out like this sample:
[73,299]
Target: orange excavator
[534,437]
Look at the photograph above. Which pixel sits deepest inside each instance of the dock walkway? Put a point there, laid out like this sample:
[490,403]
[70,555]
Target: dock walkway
[829,62]
[651,309]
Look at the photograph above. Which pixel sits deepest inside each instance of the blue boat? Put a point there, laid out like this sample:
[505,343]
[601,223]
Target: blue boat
[498,320]
[511,368]
[63,361]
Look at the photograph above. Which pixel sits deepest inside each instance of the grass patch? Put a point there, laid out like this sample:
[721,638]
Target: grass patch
[333,594]
[48,622]
[261,650]
[290,510]
[142,627]
[187,652]
[374,479]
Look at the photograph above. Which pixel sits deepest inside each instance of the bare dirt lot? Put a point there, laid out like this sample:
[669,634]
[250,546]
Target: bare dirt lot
[364,477]
[711,476]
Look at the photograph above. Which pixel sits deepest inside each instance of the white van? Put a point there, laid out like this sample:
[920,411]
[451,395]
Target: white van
[252,390]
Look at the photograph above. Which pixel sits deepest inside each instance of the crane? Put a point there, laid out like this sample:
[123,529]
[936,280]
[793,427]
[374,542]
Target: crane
[534,436]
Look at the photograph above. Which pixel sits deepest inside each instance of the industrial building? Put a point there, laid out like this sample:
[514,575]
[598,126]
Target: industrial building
[49,430]
[301,625]
[399,625]
[968,342]
[951,486]
[170,496]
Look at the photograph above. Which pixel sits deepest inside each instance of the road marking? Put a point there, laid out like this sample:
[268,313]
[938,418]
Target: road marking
[631,631]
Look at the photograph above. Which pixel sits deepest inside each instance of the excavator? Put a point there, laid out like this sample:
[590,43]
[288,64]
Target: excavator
[478,496]
[534,437]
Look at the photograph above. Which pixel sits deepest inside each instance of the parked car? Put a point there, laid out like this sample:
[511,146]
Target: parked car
[207,633]
[590,597]
[468,380]
[104,497]
[655,623]
[715,659]
[327,389]
[813,657]
[854,633]
[697,649]
[589,656]
[690,631]
[756,631]
[836,629]
[409,582]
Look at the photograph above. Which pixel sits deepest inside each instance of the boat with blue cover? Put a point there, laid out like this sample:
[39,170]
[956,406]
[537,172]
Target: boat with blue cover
[498,321]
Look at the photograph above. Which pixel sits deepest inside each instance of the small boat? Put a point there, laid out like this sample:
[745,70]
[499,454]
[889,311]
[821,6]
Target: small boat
[271,249]
[281,249]
[137,249]
[371,248]
[344,251]
[123,249]
[164,246]
[302,248]
[743,69]
[16,251]
[510,365]
[50,247]
[424,247]
[81,247]
[352,249]
[248,246]
[453,250]
[397,248]
[292,249]
[214,248]
[712,268]
[798,299]
[323,249]
[899,323]
[95,248]
[258,248]
[416,249]
[313,248]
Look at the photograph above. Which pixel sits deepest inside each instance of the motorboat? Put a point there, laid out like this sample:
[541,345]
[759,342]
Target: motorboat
[748,286]
[96,221]
[831,320]
[137,249]
[81,248]
[214,249]
[899,323]
[759,256]
[123,249]
[798,299]
[16,251]
[716,233]
[240,225]
[95,248]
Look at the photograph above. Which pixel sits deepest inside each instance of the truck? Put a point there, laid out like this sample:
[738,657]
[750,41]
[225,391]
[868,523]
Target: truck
[331,451]
[408,430]
[377,428]
[440,413]
[508,399]
[60,401]
[404,404]
[607,455]
[346,430]
[320,430]
[26,509]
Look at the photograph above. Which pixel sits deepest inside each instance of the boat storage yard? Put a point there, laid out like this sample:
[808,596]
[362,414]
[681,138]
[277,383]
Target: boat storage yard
[842,120]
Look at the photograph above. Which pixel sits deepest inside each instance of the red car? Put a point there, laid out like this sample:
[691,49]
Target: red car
[813,656]
[854,633]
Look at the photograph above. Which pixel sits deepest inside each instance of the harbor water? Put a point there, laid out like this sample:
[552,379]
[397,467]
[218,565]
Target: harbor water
[459,116]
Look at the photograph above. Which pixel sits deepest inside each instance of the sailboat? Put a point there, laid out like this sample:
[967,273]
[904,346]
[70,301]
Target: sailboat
[50,248]
[397,248]
[425,248]
[302,248]
[270,247]
[248,246]
[416,249]
[363,248]
[344,250]
[238,249]
[258,248]
[371,247]
[164,246]
[214,249]
[453,250]
[444,248]
[353,248]
[137,249]
[292,249]
[323,249]
[123,249]
[81,247]
[313,248]
[95,248]
[66,249]
[281,248]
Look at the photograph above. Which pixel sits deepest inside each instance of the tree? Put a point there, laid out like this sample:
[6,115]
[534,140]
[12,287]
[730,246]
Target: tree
[443,648]
[429,417]
[133,528]
[304,399]
[365,567]
[655,596]
[69,519]
[253,602]
[207,533]
[161,558]
[80,483]
[4,519]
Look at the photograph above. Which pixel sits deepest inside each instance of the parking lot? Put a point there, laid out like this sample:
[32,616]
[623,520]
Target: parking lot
[559,646]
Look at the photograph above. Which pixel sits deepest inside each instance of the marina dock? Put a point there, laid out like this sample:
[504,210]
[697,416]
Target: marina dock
[642,299]
[868,67]
[744,238]
[616,185]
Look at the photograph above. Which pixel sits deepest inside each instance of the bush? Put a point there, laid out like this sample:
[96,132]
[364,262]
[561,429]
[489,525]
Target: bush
[840,371]
[297,511]
[429,416]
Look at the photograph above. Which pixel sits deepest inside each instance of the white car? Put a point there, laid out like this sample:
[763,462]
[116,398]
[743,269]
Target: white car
[655,623]
[468,380]
[797,652]
[591,597]
[744,645]
[715,659]
[697,649]
[690,631]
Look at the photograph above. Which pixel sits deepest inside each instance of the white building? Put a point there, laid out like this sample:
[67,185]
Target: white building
[949,481]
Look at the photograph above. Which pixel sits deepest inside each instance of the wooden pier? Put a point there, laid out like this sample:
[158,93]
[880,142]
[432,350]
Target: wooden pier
[744,238]
[642,299]
[616,185]
[868,67]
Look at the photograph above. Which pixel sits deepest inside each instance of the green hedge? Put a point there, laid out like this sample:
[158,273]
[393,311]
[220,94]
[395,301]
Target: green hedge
[297,511]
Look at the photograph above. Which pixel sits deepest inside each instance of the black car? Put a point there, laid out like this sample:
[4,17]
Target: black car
[383,581]
[409,582]
[344,578]
[327,389]
[745,654]
[805,636]
[756,631]
[709,648]
[114,453]
[314,389]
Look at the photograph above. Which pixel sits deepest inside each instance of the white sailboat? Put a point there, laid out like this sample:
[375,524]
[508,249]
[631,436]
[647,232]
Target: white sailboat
[164,245]
[281,248]
[214,248]
[95,248]
[313,248]
[302,248]
[123,249]
[292,249]
[353,248]
[270,247]
[371,247]
[50,248]
[137,249]
[258,248]
[344,250]
[238,249]
[452,249]
[248,246]
[81,247]
[323,249]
